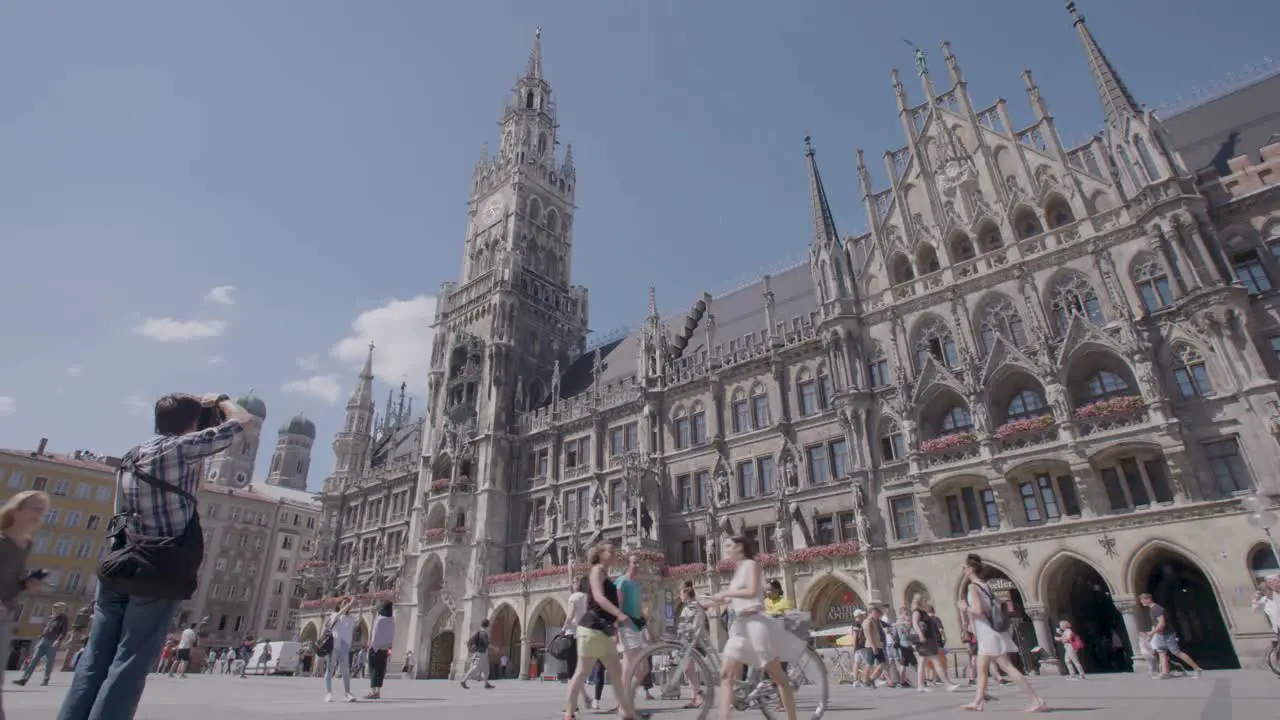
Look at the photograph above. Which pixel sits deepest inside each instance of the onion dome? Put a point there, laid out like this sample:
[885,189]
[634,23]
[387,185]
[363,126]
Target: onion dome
[254,405]
[299,425]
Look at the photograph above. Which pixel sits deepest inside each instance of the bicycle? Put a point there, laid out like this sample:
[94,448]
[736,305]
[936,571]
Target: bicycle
[1273,656]
[670,663]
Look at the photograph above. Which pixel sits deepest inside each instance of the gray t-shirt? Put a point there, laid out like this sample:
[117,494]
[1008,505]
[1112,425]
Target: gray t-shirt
[1156,613]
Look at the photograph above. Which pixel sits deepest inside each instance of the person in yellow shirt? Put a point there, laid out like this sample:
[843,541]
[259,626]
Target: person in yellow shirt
[775,603]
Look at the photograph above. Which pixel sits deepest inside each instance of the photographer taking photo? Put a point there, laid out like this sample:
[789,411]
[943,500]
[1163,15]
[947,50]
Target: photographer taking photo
[156,547]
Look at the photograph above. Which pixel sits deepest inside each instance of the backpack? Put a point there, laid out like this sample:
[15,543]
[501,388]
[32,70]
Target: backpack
[1076,641]
[997,615]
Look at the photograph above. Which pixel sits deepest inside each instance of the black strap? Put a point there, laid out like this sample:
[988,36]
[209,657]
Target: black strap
[130,464]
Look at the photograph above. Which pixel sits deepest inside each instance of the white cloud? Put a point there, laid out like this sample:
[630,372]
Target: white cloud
[310,363]
[321,387]
[138,407]
[221,295]
[74,371]
[401,331]
[8,405]
[172,330]
[216,361]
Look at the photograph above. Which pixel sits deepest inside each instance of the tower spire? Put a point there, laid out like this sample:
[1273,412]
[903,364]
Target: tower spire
[824,224]
[362,396]
[1116,99]
[534,68]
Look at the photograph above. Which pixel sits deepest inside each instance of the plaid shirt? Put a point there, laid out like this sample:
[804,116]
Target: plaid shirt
[173,459]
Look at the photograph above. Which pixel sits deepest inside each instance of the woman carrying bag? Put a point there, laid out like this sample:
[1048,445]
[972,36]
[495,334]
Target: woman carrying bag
[20,517]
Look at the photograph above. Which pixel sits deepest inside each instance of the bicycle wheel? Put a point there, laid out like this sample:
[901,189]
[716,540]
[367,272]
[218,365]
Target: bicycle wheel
[809,682]
[1273,659]
[678,675]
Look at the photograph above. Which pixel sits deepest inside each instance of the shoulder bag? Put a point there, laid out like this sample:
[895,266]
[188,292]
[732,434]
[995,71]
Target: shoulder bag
[149,566]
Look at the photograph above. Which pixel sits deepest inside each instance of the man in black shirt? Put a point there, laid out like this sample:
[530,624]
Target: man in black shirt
[1163,639]
[478,646]
[51,637]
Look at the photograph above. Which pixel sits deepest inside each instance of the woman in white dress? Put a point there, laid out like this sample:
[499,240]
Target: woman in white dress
[754,637]
[993,646]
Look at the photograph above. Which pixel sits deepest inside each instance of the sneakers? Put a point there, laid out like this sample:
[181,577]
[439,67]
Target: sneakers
[464,685]
[351,698]
[328,697]
[487,686]
[595,704]
[20,681]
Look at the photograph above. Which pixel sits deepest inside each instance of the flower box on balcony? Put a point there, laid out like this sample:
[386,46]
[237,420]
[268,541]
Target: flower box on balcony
[824,552]
[948,442]
[1025,425]
[502,578]
[1111,407]
[686,569]
[439,485]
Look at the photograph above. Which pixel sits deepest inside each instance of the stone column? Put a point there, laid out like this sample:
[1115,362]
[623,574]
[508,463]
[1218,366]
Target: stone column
[1049,663]
[526,654]
[1129,613]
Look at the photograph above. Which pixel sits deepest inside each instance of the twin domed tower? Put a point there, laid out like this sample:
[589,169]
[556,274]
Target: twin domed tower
[290,463]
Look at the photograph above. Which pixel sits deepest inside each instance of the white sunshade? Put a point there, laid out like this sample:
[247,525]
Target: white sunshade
[830,632]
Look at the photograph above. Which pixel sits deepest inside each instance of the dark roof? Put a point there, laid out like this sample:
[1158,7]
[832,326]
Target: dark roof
[1237,123]
[738,313]
[401,442]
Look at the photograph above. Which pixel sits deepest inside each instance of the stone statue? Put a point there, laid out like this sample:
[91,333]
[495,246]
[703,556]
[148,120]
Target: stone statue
[859,498]
[597,507]
[780,536]
[722,486]
[790,473]
[922,64]
[646,521]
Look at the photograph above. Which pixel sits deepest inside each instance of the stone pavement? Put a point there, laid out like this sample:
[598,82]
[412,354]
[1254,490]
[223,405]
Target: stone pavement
[1228,695]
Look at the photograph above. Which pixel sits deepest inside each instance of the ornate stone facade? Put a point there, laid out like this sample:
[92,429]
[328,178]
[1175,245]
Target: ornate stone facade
[1062,358]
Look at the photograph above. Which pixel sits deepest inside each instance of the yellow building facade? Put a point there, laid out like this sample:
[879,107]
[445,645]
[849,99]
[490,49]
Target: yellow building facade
[82,489]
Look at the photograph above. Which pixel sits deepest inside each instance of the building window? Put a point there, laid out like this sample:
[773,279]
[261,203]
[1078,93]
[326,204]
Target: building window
[759,408]
[701,488]
[1153,285]
[73,581]
[808,392]
[956,420]
[741,412]
[1026,404]
[839,459]
[61,488]
[273,618]
[1104,385]
[51,517]
[747,484]
[878,374]
[83,490]
[1249,271]
[683,432]
[684,491]
[577,452]
[623,439]
[1189,370]
[1132,483]
[699,420]
[542,463]
[1000,319]
[688,552]
[766,470]
[893,445]
[965,512]
[819,469]
[1073,295]
[38,613]
[84,549]
[40,483]
[15,480]
[1227,466]
[617,497]
[824,530]
[104,494]
[903,511]
[936,342]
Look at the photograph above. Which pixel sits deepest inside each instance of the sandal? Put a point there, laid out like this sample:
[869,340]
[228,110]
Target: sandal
[1038,706]
[973,707]
[693,704]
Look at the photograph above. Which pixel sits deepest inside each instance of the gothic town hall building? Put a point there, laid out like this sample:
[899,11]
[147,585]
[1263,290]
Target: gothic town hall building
[1061,358]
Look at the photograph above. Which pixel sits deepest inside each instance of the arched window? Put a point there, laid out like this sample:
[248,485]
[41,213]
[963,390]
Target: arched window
[528,100]
[840,288]
[900,269]
[824,279]
[535,209]
[542,143]
[893,444]
[1189,370]
[1000,317]
[1127,168]
[759,407]
[936,341]
[741,412]
[956,419]
[961,248]
[1153,284]
[1263,563]
[1149,166]
[1026,404]
[878,373]
[1026,224]
[1073,295]
[989,238]
[553,220]
[1105,384]
[927,259]
[682,428]
[1058,213]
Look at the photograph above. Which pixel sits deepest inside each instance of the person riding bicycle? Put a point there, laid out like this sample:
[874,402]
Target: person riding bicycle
[1267,601]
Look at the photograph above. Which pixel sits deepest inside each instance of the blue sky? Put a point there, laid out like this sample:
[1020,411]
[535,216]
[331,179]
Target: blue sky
[218,196]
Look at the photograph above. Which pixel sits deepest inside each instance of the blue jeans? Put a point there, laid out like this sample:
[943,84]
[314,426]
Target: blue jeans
[125,643]
[339,661]
[46,651]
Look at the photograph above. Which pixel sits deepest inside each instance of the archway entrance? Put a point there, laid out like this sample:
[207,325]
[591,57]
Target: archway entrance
[832,604]
[1191,606]
[504,635]
[441,656]
[1076,592]
[1020,627]
[546,622]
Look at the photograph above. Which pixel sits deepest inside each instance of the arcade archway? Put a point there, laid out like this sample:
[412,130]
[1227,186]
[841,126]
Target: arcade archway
[504,641]
[1191,605]
[441,657]
[832,603]
[1073,590]
[547,620]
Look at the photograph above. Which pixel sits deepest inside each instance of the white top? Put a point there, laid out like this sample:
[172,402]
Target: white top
[741,581]
[1270,606]
[188,639]
[577,608]
[343,627]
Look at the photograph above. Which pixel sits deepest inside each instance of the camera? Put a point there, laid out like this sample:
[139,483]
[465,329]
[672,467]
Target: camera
[212,415]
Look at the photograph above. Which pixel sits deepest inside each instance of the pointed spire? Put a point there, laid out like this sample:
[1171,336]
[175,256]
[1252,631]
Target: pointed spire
[864,175]
[653,303]
[362,396]
[953,65]
[534,68]
[1116,99]
[566,168]
[824,225]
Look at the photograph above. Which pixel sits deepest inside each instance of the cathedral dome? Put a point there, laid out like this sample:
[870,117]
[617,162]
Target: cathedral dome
[254,405]
[299,425]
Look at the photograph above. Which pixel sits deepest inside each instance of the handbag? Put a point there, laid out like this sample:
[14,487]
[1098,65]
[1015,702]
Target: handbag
[324,645]
[146,565]
[562,647]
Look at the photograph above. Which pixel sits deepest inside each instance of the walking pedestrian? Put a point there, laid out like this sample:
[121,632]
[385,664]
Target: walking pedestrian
[20,517]
[1072,644]
[185,643]
[380,640]
[991,628]
[51,637]
[341,627]
[929,641]
[478,665]
[631,636]
[595,634]
[1164,639]
[156,488]
[577,608]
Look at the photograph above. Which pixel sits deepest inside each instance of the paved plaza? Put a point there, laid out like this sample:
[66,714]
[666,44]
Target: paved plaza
[1217,696]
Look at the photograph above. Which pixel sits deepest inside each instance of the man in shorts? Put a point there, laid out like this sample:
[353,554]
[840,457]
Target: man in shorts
[873,634]
[185,643]
[1163,639]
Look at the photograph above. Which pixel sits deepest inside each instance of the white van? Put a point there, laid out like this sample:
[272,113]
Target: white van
[283,660]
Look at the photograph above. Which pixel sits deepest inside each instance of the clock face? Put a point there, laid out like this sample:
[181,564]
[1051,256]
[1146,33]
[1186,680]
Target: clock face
[493,210]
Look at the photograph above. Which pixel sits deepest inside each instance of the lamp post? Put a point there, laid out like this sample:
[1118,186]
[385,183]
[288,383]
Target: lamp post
[1262,518]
